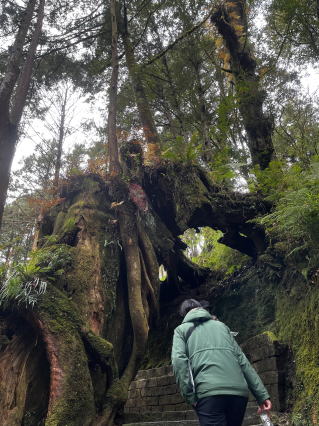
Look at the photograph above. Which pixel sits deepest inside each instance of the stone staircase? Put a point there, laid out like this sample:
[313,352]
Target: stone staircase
[154,400]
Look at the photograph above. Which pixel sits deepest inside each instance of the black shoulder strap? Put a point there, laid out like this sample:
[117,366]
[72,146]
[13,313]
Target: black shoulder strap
[188,334]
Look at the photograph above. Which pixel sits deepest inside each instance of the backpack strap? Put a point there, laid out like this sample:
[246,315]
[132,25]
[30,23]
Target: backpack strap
[188,335]
[191,377]
[189,332]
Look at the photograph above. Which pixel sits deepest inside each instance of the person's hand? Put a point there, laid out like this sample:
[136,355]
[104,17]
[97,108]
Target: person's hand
[265,406]
[194,405]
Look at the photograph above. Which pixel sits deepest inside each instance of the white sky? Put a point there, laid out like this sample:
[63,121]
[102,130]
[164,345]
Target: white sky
[83,111]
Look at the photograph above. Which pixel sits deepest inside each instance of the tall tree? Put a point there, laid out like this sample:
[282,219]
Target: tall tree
[14,89]
[112,136]
[231,22]
[146,117]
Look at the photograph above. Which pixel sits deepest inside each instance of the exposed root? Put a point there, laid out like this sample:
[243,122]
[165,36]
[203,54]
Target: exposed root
[117,394]
[149,288]
[150,260]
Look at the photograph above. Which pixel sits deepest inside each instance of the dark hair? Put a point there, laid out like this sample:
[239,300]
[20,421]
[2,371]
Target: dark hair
[188,305]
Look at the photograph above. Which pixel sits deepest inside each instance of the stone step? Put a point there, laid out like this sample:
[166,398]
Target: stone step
[154,400]
[161,416]
[252,421]
[176,415]
[154,372]
[178,423]
[165,423]
[251,418]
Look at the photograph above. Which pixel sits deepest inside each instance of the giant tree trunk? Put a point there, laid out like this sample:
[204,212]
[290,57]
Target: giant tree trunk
[82,343]
[231,22]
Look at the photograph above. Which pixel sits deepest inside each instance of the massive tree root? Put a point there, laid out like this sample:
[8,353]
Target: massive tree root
[89,330]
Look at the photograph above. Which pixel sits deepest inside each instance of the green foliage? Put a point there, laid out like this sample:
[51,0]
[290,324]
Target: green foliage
[185,151]
[69,224]
[293,28]
[205,250]
[55,258]
[16,231]
[25,282]
[295,218]
[296,137]
[23,285]
[269,181]
[225,107]
[221,170]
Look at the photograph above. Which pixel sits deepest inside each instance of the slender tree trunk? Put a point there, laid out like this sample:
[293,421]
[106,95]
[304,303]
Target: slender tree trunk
[8,137]
[13,67]
[58,160]
[115,167]
[10,120]
[24,79]
[146,117]
[207,155]
[173,93]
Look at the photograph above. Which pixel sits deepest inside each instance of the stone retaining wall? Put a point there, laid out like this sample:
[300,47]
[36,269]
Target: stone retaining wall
[270,358]
[154,390]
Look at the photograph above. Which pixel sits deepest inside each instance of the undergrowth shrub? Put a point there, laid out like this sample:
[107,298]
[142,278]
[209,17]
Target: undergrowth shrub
[23,283]
[295,217]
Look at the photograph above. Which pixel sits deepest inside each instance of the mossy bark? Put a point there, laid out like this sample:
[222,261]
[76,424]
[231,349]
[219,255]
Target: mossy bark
[71,392]
[230,20]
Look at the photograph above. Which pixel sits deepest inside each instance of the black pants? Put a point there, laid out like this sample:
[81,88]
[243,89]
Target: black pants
[221,410]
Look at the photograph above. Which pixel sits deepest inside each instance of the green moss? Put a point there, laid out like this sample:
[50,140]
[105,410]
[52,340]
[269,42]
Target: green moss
[118,393]
[271,336]
[297,323]
[69,224]
[103,348]
[247,304]
[57,309]
[79,278]
[90,185]
[75,404]
[58,223]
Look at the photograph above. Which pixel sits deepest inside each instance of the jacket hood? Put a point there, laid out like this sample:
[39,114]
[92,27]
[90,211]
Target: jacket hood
[197,314]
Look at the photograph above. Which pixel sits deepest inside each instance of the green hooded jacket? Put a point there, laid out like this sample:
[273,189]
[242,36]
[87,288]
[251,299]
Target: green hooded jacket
[218,364]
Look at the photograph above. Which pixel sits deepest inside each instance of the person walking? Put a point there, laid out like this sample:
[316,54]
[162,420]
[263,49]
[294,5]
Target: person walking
[212,372]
